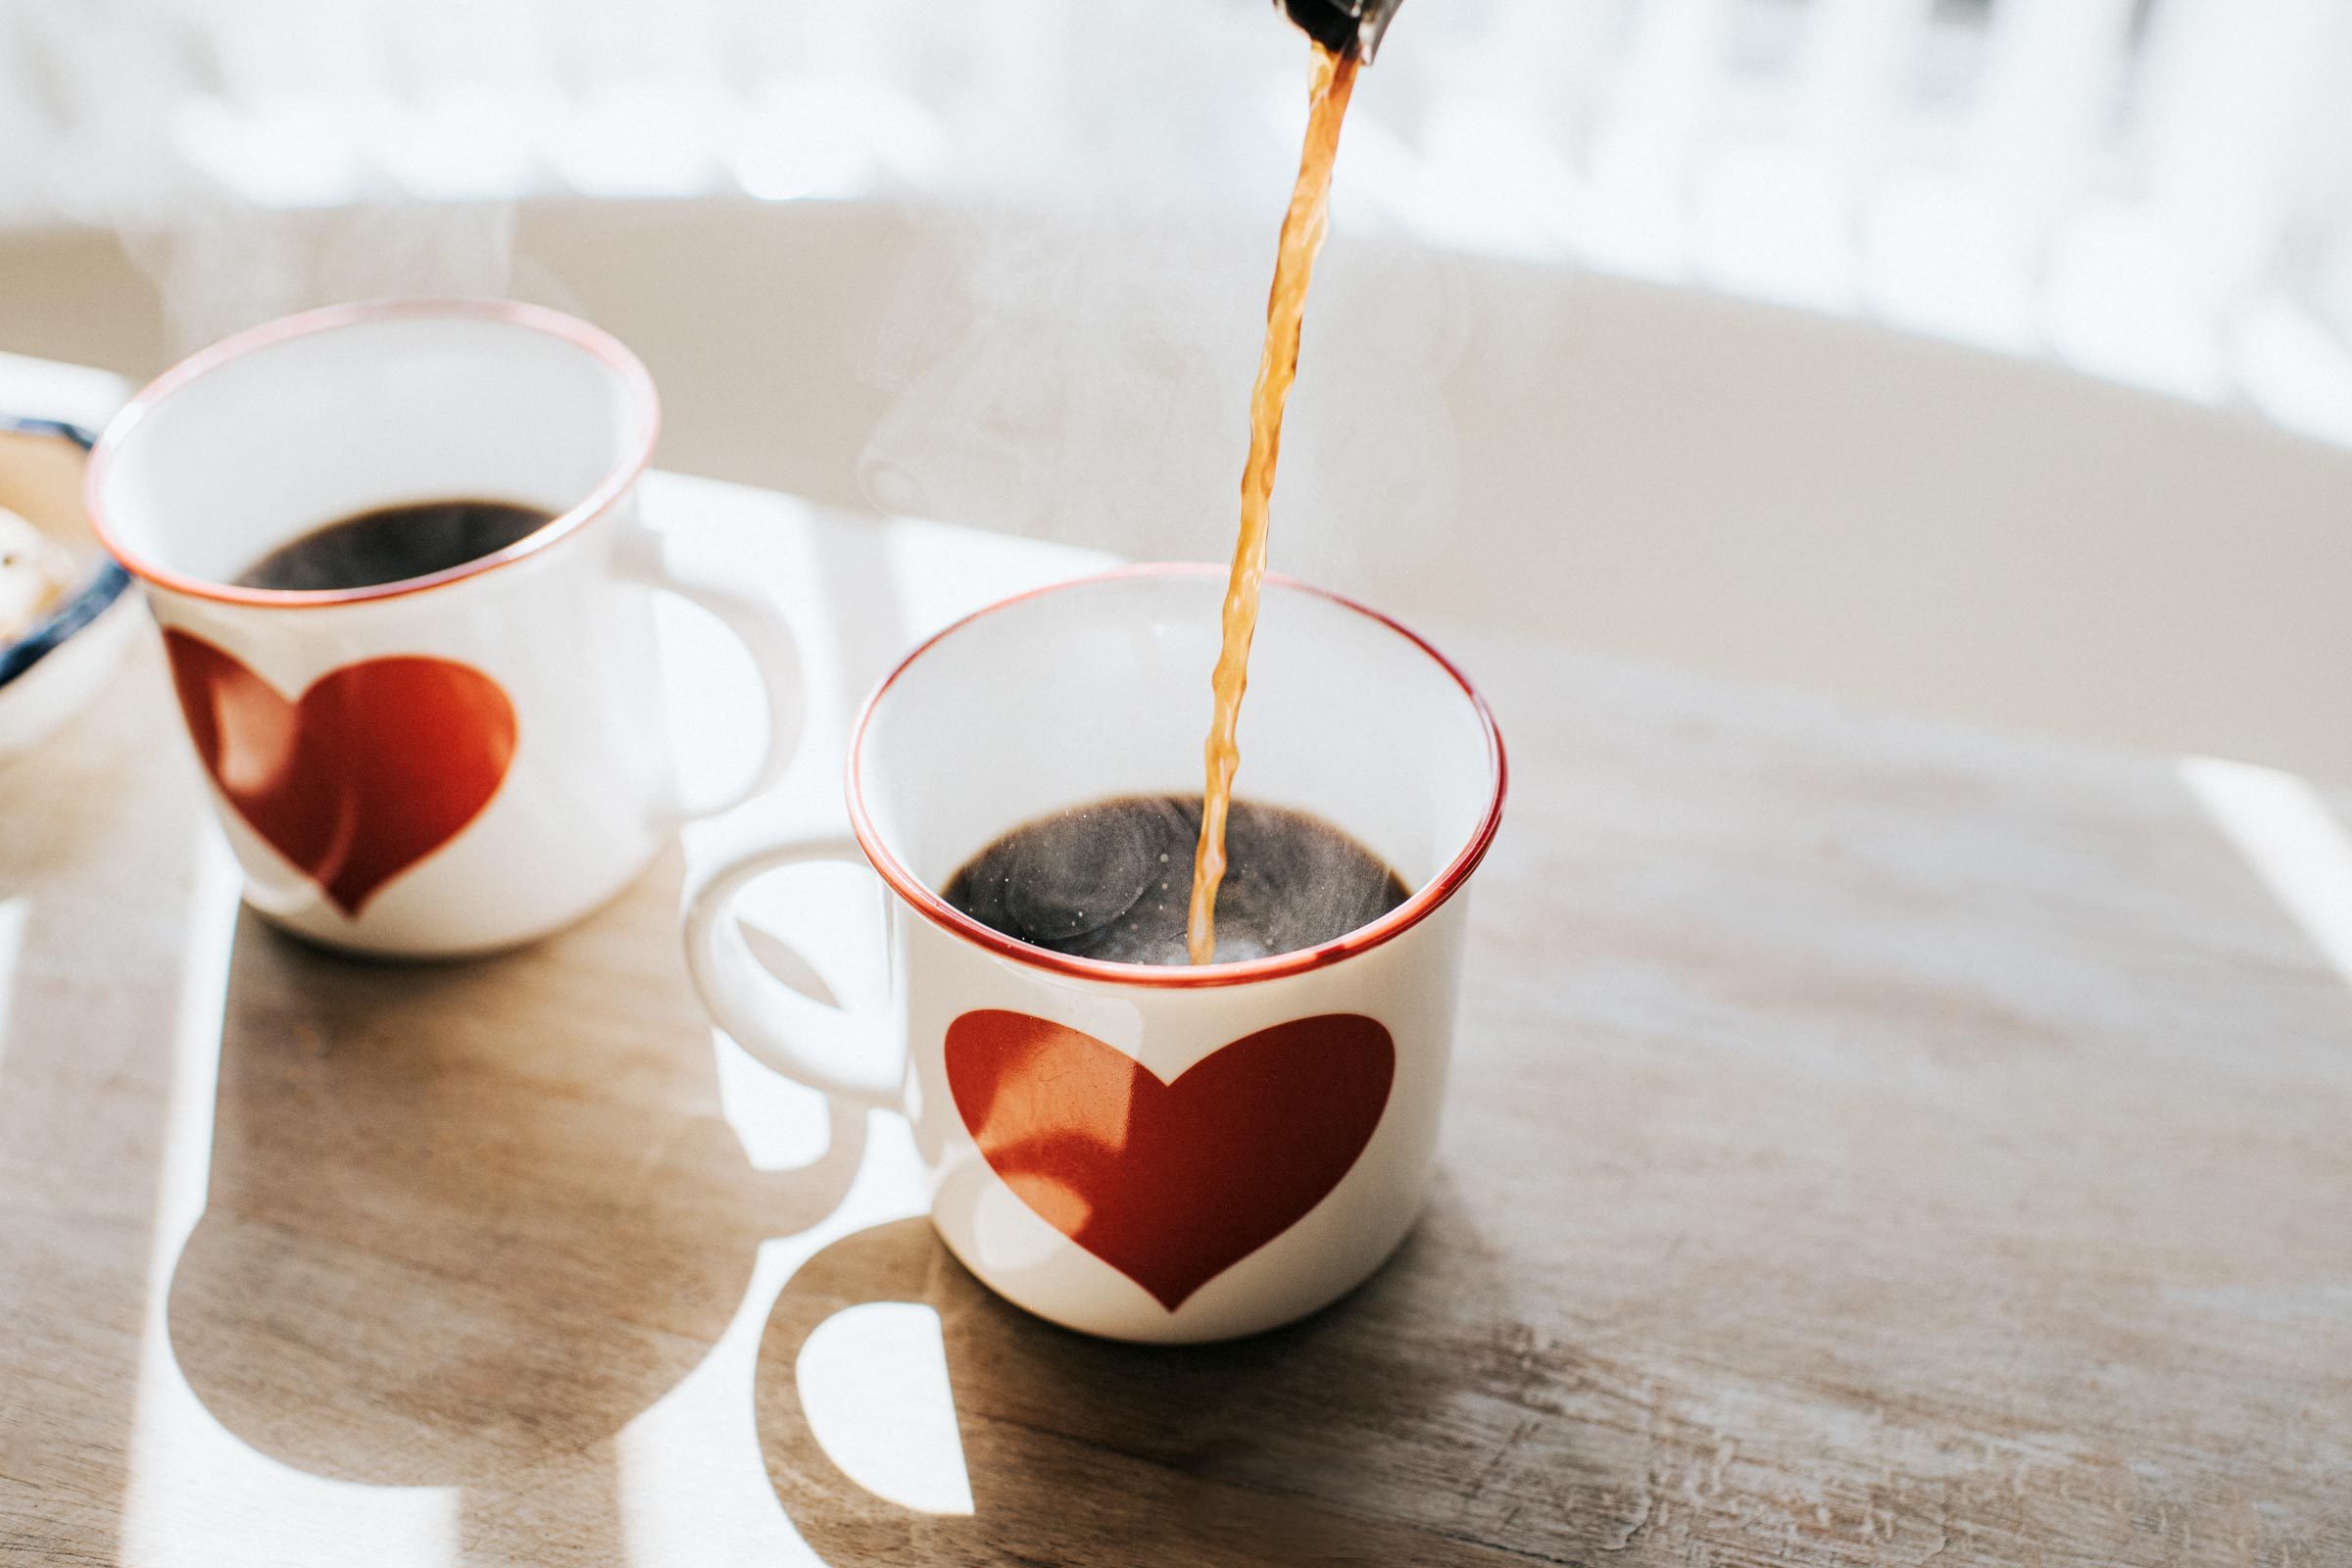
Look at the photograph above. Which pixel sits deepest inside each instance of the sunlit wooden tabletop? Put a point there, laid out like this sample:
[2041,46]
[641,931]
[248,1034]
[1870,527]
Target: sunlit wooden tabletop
[1871,1141]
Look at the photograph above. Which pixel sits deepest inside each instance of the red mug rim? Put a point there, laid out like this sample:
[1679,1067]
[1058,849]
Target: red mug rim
[594,340]
[1424,902]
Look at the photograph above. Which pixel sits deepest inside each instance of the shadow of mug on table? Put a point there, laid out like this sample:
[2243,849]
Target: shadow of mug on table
[465,1218]
[1273,1449]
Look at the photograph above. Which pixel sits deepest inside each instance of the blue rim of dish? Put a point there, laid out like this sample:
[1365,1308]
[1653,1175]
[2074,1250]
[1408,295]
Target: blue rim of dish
[105,587]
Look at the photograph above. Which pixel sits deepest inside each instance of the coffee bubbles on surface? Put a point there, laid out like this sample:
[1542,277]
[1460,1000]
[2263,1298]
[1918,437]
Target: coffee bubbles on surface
[1113,881]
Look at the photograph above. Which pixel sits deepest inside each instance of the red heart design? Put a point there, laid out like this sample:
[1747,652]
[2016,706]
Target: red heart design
[1170,1183]
[376,765]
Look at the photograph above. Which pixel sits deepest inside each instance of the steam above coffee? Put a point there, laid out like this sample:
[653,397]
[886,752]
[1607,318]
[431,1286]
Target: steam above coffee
[1113,881]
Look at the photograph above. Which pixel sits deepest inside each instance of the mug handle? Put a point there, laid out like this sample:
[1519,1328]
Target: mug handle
[757,625]
[844,1052]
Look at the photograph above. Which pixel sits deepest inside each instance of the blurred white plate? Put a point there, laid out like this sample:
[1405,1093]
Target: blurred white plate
[56,668]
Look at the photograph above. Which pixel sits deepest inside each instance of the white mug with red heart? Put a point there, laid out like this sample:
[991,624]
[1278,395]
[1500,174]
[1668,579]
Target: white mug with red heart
[1149,1153]
[448,763]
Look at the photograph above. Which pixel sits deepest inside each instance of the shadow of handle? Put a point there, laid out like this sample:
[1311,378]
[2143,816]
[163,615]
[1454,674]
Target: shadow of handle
[1268,1452]
[899,1261]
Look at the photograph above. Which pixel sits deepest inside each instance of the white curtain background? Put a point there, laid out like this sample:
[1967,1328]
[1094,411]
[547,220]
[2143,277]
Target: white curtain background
[2154,191]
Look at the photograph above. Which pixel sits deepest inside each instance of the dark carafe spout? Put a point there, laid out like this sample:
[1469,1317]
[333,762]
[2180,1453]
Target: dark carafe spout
[1342,27]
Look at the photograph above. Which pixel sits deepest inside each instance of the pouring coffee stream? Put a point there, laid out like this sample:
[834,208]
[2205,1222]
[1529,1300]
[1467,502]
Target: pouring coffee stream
[1346,34]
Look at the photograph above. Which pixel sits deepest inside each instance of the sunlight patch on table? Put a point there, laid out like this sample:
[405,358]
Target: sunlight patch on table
[196,1494]
[693,1485]
[12,944]
[2298,847]
[691,1482]
[874,1379]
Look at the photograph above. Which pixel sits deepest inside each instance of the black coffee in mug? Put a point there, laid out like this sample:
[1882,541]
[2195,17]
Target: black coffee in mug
[393,544]
[1113,881]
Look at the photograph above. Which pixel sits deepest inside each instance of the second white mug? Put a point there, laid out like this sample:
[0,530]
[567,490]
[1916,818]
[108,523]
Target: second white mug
[442,764]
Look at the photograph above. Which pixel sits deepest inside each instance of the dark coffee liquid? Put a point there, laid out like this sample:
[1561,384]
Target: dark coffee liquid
[1113,881]
[393,544]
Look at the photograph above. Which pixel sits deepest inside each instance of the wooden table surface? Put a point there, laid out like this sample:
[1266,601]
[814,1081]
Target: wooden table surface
[1870,1141]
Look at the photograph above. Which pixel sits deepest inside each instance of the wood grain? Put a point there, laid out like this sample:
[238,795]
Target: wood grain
[1870,1141]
